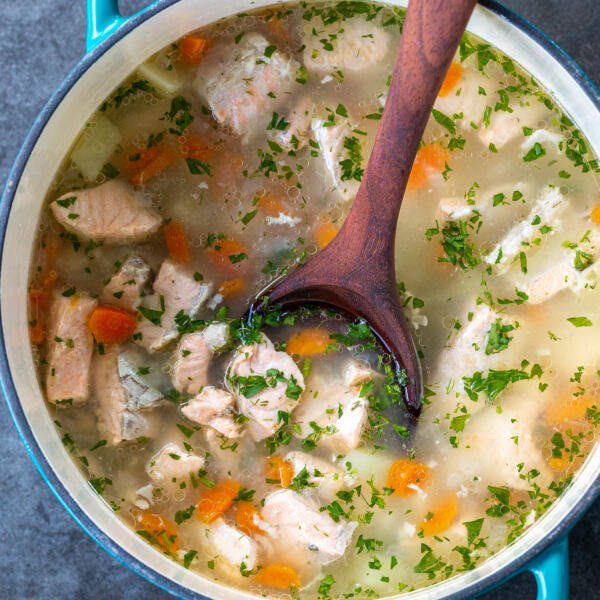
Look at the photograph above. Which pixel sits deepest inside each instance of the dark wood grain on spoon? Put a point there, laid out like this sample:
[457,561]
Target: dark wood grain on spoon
[356,271]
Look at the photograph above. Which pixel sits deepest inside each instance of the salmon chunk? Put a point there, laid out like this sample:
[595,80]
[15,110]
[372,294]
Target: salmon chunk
[172,466]
[176,291]
[333,144]
[244,83]
[125,287]
[295,135]
[118,414]
[332,415]
[326,478]
[298,527]
[352,45]
[265,382]
[214,408]
[231,545]
[70,347]
[545,211]
[109,212]
[192,357]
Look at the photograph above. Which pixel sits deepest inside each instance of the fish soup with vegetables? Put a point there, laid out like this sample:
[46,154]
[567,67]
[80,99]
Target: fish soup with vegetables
[274,454]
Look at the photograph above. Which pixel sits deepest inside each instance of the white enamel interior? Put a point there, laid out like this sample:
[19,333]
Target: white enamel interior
[81,101]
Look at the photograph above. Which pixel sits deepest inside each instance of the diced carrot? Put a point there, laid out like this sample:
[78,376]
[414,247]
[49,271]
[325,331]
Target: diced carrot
[246,516]
[271,205]
[441,517]
[308,342]
[159,531]
[563,410]
[229,254]
[432,157]
[177,242]
[279,576]
[194,146]
[193,48]
[151,162]
[324,233]
[452,78]
[279,471]
[560,463]
[111,325]
[232,287]
[216,501]
[404,474]
[37,331]
[595,215]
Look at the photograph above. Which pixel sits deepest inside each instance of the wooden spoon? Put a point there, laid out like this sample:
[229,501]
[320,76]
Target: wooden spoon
[356,271]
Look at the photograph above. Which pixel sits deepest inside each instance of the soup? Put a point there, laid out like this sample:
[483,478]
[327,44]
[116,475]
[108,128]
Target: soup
[275,454]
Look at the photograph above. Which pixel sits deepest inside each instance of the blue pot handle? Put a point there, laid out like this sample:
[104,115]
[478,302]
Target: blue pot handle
[551,571]
[103,18]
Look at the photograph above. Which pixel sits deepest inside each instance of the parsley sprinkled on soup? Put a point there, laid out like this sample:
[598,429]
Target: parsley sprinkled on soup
[276,454]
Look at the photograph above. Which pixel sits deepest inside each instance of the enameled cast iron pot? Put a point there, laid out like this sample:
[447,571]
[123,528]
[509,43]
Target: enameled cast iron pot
[115,46]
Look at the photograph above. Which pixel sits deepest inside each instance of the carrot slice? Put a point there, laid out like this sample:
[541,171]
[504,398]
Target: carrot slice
[271,205]
[177,242]
[564,410]
[279,471]
[432,157]
[229,254]
[232,287]
[193,48]
[595,216]
[279,576]
[308,342]
[111,325]
[403,474]
[150,163]
[324,233]
[452,78]
[194,146]
[246,516]
[441,517]
[159,531]
[214,502]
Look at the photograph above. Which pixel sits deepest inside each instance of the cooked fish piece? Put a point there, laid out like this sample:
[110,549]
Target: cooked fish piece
[125,287]
[214,408]
[461,207]
[244,83]
[334,416]
[333,141]
[231,545]
[175,290]
[70,347]
[109,212]
[140,392]
[357,373]
[564,275]
[297,526]
[296,134]
[505,127]
[354,45]
[326,478]
[255,364]
[118,419]
[192,357]
[548,139]
[511,434]
[546,210]
[172,466]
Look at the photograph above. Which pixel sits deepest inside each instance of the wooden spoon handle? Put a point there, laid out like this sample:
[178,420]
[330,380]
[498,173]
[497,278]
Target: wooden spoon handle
[431,34]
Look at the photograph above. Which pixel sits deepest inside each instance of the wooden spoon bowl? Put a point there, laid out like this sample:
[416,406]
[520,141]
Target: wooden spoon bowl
[356,272]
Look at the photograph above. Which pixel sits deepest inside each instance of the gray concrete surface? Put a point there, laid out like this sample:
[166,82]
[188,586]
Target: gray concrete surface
[43,553]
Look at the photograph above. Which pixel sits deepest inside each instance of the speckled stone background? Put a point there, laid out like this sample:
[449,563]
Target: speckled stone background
[43,553]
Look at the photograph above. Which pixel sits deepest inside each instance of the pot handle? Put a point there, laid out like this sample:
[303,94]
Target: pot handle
[103,18]
[551,571]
